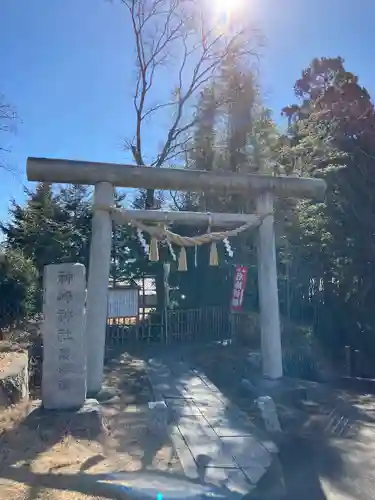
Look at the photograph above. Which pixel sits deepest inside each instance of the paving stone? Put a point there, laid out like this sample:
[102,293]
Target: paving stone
[224,426]
[211,412]
[234,413]
[246,451]
[233,479]
[208,382]
[227,430]
[194,381]
[206,399]
[254,472]
[200,393]
[162,380]
[242,421]
[182,408]
[180,369]
[202,441]
[147,485]
[210,435]
[184,454]
[167,390]
[270,446]
[180,402]
[210,403]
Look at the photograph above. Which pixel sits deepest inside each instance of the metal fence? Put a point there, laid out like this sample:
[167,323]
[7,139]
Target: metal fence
[175,326]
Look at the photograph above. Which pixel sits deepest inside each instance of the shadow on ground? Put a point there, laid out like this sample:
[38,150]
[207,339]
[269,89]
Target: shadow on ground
[314,458]
[40,452]
[327,446]
[126,413]
[30,440]
[169,369]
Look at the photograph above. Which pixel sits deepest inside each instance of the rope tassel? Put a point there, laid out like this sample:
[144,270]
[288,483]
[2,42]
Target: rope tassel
[154,250]
[214,257]
[182,261]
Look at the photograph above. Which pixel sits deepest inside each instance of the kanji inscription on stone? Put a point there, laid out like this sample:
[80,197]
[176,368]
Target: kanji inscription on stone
[64,360]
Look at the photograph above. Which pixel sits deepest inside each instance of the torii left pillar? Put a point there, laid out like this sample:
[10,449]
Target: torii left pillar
[97,285]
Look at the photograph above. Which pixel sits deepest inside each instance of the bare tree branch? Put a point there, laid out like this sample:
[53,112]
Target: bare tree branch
[7,126]
[155,108]
[174,195]
[175,48]
[178,149]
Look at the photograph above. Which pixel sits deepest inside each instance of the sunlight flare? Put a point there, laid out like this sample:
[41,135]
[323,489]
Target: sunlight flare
[227,7]
[226,13]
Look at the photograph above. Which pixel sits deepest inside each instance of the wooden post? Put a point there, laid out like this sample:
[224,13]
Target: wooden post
[268,296]
[97,287]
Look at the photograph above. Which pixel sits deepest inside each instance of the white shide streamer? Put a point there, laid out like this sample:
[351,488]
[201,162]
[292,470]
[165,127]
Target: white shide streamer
[228,247]
[171,251]
[142,241]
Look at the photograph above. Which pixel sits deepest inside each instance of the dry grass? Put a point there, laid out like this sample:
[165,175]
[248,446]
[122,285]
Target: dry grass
[6,359]
[8,353]
[47,464]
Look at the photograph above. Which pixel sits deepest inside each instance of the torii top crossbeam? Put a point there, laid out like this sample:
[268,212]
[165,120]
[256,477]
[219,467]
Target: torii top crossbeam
[130,176]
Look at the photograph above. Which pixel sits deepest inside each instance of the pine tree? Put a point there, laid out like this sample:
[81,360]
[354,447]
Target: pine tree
[37,229]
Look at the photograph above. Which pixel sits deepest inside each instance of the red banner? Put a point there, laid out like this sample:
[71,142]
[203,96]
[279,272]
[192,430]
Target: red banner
[239,285]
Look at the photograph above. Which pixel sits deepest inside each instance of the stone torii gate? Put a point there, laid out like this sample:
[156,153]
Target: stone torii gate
[105,177]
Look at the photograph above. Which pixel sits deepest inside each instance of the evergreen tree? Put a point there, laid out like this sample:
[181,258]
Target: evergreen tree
[38,228]
[18,289]
[331,133]
[233,132]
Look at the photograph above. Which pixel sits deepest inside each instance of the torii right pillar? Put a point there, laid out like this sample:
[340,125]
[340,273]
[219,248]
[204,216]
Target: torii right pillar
[272,365]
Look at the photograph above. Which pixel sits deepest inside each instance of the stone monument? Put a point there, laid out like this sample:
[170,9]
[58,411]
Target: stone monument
[64,360]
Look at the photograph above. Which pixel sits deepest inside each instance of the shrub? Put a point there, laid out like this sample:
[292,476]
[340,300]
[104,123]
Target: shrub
[18,288]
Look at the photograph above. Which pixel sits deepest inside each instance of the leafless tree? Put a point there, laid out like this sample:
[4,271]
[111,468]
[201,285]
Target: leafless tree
[7,126]
[176,46]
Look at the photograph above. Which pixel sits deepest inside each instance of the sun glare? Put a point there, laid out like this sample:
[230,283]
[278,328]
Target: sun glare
[226,7]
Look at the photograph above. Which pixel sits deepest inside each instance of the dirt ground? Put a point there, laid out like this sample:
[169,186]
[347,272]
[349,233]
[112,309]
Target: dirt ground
[46,463]
[8,353]
[5,360]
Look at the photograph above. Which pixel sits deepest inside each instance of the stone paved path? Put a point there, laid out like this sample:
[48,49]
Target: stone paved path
[215,441]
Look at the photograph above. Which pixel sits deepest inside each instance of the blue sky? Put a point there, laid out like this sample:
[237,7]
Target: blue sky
[66,65]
